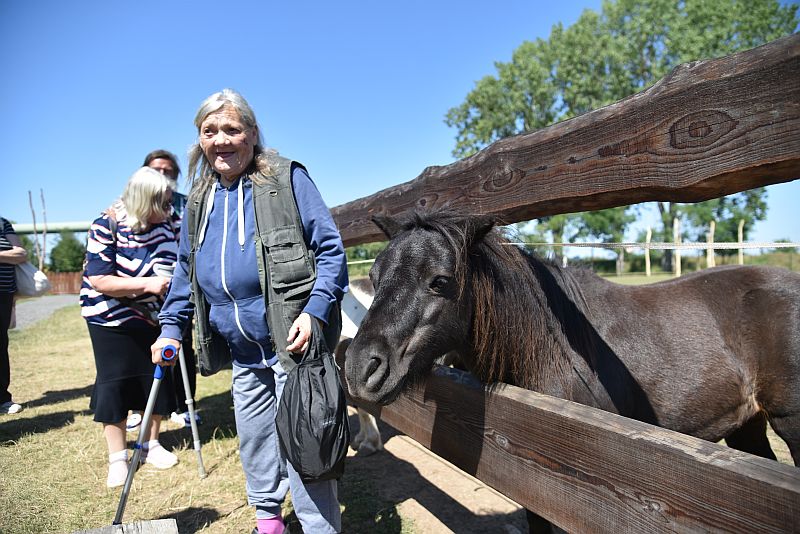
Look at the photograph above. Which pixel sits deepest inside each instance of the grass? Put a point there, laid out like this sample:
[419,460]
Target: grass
[53,458]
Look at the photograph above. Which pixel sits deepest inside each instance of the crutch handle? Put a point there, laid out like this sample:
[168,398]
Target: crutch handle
[168,352]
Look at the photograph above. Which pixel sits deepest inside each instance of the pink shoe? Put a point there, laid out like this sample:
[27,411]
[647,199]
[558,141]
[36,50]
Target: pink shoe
[273,525]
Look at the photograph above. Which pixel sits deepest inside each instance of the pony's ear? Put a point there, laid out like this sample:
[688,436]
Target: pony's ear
[479,227]
[388,225]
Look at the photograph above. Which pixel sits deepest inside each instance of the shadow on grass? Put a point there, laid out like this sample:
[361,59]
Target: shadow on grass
[193,519]
[216,412]
[12,429]
[54,397]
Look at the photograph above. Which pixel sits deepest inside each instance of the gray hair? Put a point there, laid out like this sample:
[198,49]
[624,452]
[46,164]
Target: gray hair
[144,196]
[201,174]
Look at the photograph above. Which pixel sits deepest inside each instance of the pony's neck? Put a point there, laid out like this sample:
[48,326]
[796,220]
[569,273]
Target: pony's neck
[516,330]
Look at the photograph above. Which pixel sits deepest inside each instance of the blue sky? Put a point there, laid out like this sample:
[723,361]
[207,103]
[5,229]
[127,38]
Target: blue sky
[355,90]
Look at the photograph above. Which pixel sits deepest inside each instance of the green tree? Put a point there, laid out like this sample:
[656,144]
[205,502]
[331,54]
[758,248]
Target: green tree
[27,244]
[604,57]
[608,226]
[748,206]
[68,254]
[363,253]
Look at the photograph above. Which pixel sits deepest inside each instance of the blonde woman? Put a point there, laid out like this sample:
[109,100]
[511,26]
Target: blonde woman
[128,252]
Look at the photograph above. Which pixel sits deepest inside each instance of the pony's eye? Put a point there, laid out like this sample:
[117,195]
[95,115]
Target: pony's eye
[439,283]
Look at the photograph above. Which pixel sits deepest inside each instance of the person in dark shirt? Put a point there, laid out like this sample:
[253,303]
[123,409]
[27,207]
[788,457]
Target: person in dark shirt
[166,163]
[11,254]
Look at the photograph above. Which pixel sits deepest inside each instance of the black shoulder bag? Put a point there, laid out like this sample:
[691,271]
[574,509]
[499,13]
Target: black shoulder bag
[312,424]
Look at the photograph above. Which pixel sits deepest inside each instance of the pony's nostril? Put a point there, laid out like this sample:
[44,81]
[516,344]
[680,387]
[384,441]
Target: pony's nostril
[373,375]
[372,366]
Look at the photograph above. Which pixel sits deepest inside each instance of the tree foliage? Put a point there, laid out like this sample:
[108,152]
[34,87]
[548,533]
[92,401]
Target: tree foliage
[27,244]
[604,57]
[68,254]
[363,253]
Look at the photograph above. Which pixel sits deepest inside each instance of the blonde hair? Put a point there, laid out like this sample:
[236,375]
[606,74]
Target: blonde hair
[201,174]
[144,197]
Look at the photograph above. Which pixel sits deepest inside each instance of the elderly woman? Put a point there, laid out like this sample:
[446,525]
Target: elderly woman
[130,254]
[260,258]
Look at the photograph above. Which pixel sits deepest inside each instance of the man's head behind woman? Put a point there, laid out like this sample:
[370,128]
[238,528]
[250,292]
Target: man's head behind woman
[147,198]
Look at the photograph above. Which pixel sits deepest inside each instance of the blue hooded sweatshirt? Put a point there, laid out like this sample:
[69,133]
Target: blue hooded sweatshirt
[227,270]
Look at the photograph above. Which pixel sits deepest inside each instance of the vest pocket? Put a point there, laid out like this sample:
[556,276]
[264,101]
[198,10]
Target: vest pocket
[287,261]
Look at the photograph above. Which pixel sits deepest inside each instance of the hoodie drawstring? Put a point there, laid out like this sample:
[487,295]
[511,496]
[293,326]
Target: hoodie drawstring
[240,214]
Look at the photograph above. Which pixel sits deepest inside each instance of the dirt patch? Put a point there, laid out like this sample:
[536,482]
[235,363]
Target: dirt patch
[437,496]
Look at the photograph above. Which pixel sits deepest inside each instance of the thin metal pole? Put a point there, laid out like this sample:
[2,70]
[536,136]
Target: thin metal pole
[190,405]
[158,374]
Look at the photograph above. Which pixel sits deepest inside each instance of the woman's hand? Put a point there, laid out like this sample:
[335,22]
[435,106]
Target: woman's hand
[157,285]
[157,347]
[299,334]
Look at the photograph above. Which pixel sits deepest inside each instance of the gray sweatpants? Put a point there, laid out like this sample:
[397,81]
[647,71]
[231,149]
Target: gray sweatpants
[269,476]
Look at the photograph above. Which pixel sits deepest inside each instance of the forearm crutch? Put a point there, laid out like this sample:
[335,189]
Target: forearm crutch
[190,405]
[167,353]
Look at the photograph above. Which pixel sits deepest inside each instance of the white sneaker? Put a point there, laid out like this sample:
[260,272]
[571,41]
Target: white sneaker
[133,422]
[177,418]
[159,457]
[184,420]
[10,407]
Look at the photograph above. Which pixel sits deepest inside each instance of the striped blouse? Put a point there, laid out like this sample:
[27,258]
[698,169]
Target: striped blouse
[8,280]
[129,255]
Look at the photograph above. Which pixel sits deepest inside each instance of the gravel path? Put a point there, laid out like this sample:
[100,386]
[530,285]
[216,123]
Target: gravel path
[32,310]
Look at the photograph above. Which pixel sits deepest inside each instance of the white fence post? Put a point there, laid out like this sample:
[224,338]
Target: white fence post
[676,233]
[741,240]
[710,259]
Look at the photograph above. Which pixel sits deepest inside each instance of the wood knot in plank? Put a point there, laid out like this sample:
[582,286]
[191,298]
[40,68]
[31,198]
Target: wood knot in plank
[627,148]
[700,129]
[428,200]
[504,179]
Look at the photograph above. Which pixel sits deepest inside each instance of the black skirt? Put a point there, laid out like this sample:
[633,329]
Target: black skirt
[125,373]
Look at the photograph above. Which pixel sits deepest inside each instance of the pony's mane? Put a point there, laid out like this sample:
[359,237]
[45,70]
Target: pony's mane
[508,300]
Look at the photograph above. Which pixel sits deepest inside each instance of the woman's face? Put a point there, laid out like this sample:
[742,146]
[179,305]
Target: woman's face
[227,143]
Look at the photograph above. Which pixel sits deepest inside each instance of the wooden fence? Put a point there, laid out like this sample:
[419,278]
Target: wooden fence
[65,283]
[708,129]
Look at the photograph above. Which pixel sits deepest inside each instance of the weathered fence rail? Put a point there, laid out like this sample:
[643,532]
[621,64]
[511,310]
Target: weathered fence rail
[592,471]
[708,129]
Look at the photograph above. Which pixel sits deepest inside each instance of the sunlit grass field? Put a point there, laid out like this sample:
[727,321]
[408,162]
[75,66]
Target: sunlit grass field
[53,458]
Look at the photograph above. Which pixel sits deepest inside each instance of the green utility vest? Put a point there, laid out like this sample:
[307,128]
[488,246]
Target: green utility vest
[287,270]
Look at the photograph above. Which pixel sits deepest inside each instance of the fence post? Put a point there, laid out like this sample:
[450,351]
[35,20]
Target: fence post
[741,240]
[647,251]
[676,234]
[710,260]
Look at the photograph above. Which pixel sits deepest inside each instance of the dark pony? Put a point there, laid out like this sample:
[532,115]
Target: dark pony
[714,354]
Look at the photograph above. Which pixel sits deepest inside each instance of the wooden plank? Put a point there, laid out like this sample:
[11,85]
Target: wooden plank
[708,129]
[591,471]
[157,526]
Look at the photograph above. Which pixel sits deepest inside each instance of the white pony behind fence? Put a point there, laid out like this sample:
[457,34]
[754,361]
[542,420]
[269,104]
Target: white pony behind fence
[354,307]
